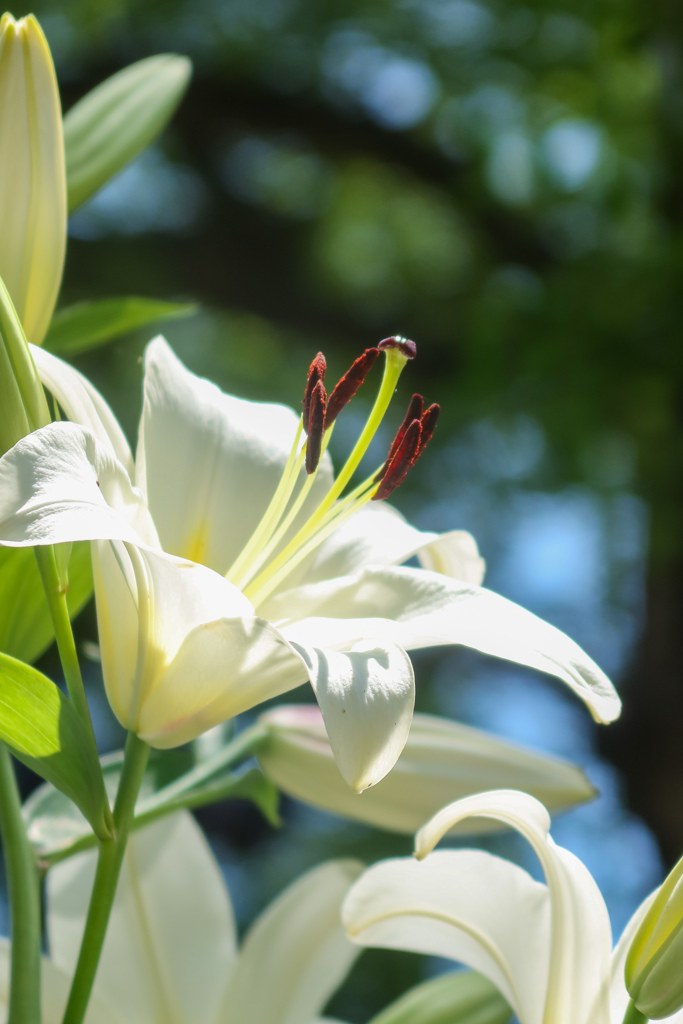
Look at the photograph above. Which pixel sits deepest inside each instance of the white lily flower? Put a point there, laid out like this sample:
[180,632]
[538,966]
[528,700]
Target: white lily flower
[32,174]
[314,587]
[547,946]
[171,954]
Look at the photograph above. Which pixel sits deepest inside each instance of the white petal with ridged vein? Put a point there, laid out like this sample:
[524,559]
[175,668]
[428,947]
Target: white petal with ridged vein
[296,954]
[466,905]
[416,608]
[379,535]
[366,696]
[59,484]
[171,939]
[83,404]
[581,937]
[209,463]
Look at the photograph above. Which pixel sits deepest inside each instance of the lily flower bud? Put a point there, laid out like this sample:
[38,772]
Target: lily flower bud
[32,174]
[441,761]
[653,965]
[23,406]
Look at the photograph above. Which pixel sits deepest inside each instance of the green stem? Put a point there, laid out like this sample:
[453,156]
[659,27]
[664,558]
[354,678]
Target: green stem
[180,793]
[55,591]
[24,901]
[633,1015]
[109,863]
[243,746]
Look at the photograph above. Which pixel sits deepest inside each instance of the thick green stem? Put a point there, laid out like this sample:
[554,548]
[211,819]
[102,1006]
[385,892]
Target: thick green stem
[55,591]
[633,1015]
[24,901]
[109,862]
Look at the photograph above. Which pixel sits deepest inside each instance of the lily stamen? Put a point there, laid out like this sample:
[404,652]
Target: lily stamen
[349,384]
[398,466]
[316,427]
[318,417]
[316,375]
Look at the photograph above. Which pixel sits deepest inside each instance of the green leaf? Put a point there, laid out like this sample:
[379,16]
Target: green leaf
[42,729]
[460,998]
[25,623]
[118,119]
[174,779]
[87,325]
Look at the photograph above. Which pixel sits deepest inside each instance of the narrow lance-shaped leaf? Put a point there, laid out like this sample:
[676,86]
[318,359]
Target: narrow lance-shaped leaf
[118,119]
[87,325]
[42,729]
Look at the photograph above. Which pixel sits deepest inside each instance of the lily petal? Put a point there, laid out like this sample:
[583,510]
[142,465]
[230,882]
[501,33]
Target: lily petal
[181,647]
[379,535]
[416,608]
[221,669]
[366,696]
[296,954]
[83,404]
[209,463]
[55,985]
[581,937]
[467,905]
[171,939]
[441,762]
[59,484]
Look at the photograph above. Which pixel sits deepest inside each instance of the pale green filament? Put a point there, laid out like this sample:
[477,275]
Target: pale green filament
[279,569]
[328,516]
[395,361]
[273,513]
[285,525]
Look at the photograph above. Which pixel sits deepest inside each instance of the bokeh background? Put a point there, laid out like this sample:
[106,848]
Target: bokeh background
[500,181]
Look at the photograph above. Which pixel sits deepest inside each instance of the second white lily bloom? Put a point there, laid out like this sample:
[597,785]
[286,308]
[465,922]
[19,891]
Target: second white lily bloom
[171,954]
[548,947]
[183,648]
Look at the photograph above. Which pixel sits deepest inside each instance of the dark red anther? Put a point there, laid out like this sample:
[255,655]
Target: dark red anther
[428,424]
[349,384]
[316,372]
[316,426]
[407,347]
[414,413]
[403,459]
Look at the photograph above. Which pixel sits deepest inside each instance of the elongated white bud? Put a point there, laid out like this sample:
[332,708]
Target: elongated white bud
[32,175]
[441,762]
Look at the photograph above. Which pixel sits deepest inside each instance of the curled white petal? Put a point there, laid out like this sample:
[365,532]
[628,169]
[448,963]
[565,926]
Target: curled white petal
[366,696]
[581,938]
[416,608]
[83,404]
[60,484]
[465,905]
